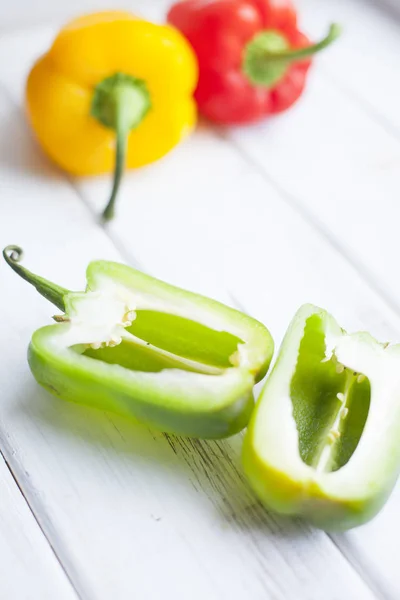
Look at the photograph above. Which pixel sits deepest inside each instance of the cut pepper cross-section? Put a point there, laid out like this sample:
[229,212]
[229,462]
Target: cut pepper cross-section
[323,440]
[137,346]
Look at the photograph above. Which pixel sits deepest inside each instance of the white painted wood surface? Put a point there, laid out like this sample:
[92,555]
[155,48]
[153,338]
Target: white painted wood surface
[302,208]
[27,563]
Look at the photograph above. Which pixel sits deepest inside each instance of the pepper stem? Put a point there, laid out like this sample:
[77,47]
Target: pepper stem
[294,55]
[268,55]
[120,102]
[120,157]
[51,291]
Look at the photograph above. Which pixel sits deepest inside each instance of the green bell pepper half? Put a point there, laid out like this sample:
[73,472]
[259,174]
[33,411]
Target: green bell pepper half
[323,440]
[134,345]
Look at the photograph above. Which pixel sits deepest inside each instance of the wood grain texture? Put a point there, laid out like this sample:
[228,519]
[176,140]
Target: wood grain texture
[28,568]
[121,503]
[365,64]
[341,149]
[270,259]
[24,13]
[343,164]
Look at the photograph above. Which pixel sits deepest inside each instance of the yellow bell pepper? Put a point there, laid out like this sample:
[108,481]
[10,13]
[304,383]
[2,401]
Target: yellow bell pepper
[113,90]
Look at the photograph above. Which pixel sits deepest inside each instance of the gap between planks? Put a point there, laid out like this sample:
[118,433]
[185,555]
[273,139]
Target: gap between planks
[357,566]
[122,250]
[308,217]
[329,238]
[362,102]
[361,567]
[37,521]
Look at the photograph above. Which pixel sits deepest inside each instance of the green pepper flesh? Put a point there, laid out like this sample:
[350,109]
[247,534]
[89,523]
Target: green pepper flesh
[140,347]
[322,442]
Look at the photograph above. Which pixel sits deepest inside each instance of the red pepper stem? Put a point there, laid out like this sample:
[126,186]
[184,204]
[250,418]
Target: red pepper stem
[51,291]
[298,54]
[268,56]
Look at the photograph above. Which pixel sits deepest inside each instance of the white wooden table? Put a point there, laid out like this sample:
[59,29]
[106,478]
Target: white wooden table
[304,207]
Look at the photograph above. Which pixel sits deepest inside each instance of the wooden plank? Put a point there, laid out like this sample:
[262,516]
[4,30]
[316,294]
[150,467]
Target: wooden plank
[269,259]
[321,277]
[254,251]
[28,568]
[22,13]
[340,170]
[241,238]
[366,60]
[306,265]
[120,503]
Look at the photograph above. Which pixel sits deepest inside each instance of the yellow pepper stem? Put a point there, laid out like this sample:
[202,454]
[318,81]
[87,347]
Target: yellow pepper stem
[121,143]
[120,102]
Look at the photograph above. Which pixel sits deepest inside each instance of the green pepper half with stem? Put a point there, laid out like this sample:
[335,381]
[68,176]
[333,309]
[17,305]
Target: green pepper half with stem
[323,440]
[134,345]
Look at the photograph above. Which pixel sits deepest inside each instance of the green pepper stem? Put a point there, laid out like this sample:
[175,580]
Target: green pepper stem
[51,291]
[300,53]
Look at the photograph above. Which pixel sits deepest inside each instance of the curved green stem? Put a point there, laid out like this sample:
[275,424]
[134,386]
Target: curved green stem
[120,102]
[268,56]
[51,291]
[298,54]
[120,155]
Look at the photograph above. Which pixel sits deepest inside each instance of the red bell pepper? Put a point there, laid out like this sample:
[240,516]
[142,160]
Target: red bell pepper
[253,58]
